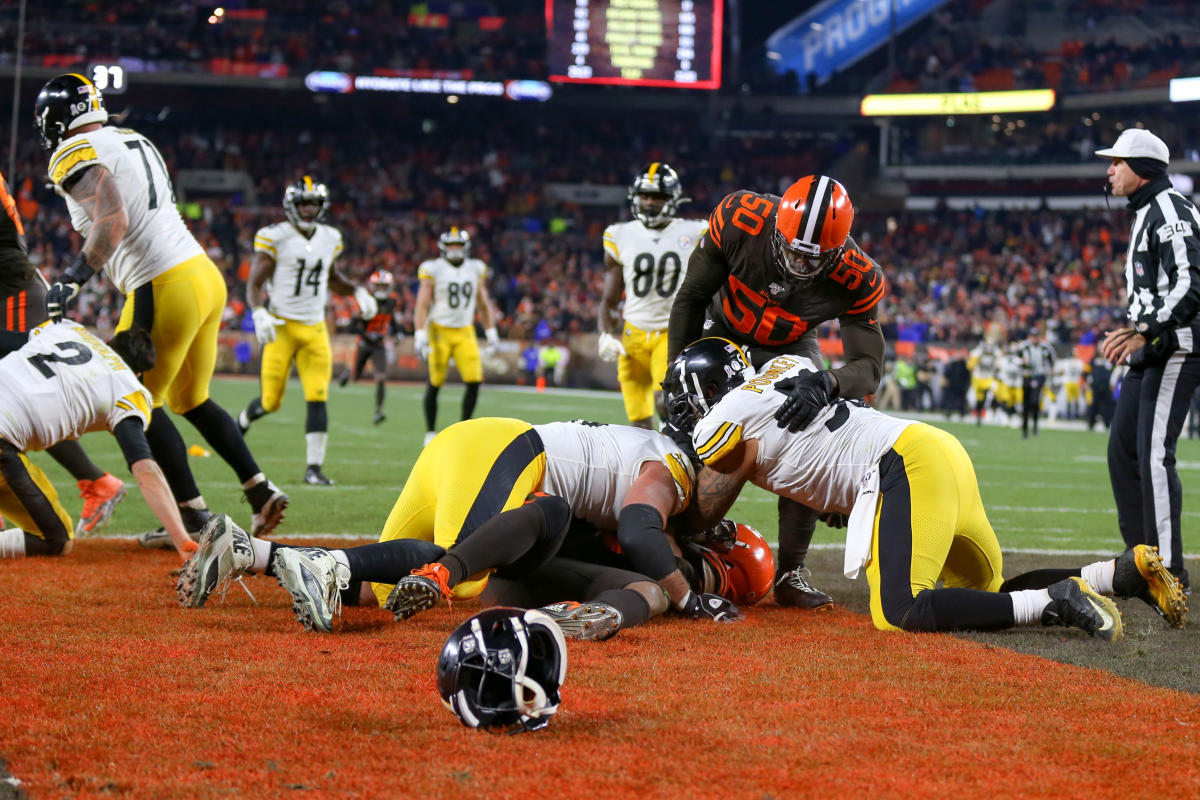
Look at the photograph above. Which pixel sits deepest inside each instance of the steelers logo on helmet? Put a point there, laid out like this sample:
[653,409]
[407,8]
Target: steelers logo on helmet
[455,245]
[502,669]
[305,203]
[65,104]
[703,372]
[655,195]
[811,227]
[380,283]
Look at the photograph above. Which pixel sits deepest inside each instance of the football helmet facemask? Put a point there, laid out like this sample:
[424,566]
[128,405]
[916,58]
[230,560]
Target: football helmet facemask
[64,104]
[655,195]
[315,199]
[703,372]
[380,283]
[455,245]
[811,227]
[502,670]
[745,573]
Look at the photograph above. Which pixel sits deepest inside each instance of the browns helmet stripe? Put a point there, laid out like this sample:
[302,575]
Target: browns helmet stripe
[818,200]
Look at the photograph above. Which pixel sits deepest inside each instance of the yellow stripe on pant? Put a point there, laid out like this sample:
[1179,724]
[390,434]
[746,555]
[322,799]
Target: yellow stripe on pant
[468,474]
[14,511]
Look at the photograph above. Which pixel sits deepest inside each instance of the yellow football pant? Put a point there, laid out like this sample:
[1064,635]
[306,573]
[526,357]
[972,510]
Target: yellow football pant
[182,310]
[456,343]
[930,525]
[641,370]
[308,346]
[471,472]
[15,511]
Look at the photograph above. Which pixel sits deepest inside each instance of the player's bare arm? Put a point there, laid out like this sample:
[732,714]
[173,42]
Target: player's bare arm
[96,192]
[719,484]
[614,287]
[261,270]
[339,283]
[487,312]
[424,303]
[153,485]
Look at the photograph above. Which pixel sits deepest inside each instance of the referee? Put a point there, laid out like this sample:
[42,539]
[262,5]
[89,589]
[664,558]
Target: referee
[1161,346]
[1037,362]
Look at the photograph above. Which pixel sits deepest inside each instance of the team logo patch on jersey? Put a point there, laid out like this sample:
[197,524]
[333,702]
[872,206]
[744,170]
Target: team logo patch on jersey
[685,242]
[776,289]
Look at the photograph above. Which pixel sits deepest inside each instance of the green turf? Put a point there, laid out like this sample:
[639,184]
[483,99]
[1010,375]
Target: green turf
[1045,493]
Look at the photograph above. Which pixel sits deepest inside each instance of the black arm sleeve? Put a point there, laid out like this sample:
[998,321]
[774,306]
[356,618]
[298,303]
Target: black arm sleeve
[862,343]
[707,271]
[643,542]
[132,440]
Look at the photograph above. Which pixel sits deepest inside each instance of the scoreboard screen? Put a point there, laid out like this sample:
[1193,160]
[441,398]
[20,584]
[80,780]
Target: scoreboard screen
[673,43]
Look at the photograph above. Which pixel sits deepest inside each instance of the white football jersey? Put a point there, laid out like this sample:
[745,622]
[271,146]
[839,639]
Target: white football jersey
[653,263]
[984,357]
[299,289]
[821,466]
[157,238]
[63,383]
[1008,369]
[1069,370]
[454,290]
[592,466]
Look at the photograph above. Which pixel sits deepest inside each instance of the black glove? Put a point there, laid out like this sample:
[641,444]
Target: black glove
[834,519]
[808,393]
[710,606]
[720,537]
[62,294]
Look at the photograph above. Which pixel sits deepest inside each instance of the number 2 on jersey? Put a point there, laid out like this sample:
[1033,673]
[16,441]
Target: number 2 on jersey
[42,361]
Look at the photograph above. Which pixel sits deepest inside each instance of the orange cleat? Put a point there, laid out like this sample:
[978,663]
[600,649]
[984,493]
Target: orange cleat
[100,498]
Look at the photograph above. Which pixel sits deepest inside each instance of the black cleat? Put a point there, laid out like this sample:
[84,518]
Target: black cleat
[314,477]
[792,590]
[378,418]
[1074,604]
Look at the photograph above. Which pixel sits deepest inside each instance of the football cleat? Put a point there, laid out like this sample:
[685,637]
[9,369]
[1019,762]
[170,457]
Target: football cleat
[589,621]
[315,579]
[344,378]
[429,437]
[222,554]
[1074,604]
[194,520]
[1141,573]
[314,477]
[268,503]
[419,591]
[378,418]
[792,590]
[100,498]
[243,422]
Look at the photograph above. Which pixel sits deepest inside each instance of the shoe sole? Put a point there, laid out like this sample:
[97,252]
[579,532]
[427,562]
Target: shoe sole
[408,599]
[1164,587]
[190,586]
[1106,608]
[102,516]
[588,623]
[303,605]
[271,515]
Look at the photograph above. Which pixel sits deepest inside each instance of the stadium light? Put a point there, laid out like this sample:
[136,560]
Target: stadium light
[1184,90]
[901,105]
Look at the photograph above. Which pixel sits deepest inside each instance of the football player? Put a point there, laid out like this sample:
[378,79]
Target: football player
[911,497]
[23,308]
[372,335]
[452,287]
[487,494]
[769,271]
[294,263]
[60,384]
[120,199]
[983,362]
[645,260]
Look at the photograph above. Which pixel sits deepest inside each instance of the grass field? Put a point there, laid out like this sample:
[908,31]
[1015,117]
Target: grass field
[109,689]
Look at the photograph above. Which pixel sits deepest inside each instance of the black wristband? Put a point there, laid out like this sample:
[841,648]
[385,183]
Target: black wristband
[78,271]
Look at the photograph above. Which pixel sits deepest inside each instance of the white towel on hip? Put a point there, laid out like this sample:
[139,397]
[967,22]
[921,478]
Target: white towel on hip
[861,525]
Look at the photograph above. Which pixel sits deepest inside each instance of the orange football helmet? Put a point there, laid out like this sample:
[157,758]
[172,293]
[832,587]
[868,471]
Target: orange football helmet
[745,574]
[811,227]
[381,282]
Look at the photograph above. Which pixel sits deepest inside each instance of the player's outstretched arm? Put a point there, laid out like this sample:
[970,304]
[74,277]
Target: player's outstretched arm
[157,494]
[863,344]
[707,272]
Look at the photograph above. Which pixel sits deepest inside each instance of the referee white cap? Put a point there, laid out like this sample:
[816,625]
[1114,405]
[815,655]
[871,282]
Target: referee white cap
[1138,143]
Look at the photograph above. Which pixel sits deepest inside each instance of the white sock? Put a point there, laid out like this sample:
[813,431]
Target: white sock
[12,543]
[340,557]
[316,447]
[1100,575]
[197,503]
[262,555]
[254,481]
[244,419]
[1028,605]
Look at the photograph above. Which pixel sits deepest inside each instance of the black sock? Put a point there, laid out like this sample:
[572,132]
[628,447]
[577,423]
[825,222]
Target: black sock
[224,436]
[37,546]
[350,595]
[1038,579]
[431,393]
[69,454]
[796,526]
[633,607]
[317,418]
[270,570]
[521,538]
[255,409]
[388,562]
[379,395]
[470,397]
[171,454]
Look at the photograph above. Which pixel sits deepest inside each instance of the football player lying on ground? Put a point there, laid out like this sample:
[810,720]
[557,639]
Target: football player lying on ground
[915,514]
[62,383]
[484,495]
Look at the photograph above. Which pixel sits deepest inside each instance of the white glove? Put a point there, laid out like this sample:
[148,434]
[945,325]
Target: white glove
[610,347]
[421,344]
[264,325]
[368,306]
[493,340]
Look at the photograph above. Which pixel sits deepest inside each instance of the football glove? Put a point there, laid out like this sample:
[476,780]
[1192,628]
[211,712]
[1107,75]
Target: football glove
[808,393]
[421,344]
[610,347]
[710,606]
[834,519]
[368,306]
[493,340]
[62,294]
[720,537]
[264,325]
